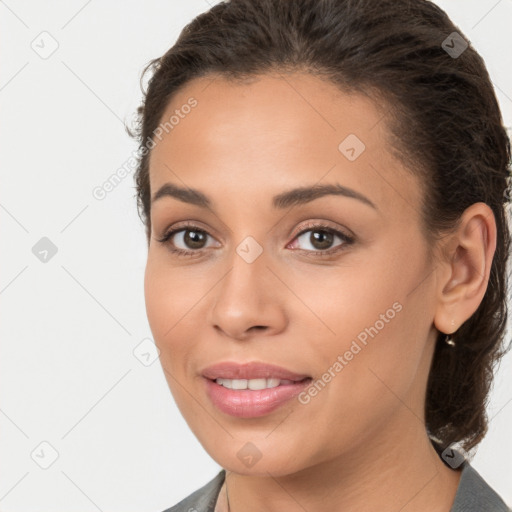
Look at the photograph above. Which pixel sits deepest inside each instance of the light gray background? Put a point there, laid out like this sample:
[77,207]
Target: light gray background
[69,327]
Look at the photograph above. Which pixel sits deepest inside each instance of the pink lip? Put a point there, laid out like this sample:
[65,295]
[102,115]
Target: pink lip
[247,403]
[253,370]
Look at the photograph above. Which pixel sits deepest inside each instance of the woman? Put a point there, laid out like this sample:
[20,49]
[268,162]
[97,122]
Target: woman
[323,185]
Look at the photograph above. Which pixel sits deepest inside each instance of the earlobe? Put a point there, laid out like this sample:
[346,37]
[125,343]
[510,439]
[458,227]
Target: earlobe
[463,273]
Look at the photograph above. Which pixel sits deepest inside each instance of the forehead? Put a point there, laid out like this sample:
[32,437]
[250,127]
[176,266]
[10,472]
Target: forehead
[270,108]
[275,129]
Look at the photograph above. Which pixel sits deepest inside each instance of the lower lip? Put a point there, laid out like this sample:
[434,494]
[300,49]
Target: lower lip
[247,403]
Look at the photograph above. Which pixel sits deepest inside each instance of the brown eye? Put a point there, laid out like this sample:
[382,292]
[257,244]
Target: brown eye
[321,239]
[193,239]
[186,240]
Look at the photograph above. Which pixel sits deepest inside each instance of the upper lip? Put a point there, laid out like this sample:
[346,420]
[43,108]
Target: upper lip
[252,370]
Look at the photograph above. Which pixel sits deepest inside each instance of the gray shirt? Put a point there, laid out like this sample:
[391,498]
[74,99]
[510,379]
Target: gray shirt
[473,495]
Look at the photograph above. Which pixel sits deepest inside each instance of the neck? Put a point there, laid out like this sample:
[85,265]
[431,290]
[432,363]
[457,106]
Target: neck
[401,473]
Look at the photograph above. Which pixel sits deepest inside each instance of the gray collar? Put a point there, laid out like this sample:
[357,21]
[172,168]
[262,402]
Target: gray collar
[473,495]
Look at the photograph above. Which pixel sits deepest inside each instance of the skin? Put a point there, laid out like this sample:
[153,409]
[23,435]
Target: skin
[361,443]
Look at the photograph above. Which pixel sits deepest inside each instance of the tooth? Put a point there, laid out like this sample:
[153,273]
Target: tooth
[252,384]
[256,384]
[225,382]
[239,383]
[273,383]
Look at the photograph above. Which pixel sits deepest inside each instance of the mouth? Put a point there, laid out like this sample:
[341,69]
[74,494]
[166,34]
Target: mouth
[251,390]
[253,397]
[241,375]
[257,384]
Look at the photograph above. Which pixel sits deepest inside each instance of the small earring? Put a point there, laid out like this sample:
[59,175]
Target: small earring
[449,340]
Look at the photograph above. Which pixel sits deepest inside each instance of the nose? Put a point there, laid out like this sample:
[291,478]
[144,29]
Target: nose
[249,300]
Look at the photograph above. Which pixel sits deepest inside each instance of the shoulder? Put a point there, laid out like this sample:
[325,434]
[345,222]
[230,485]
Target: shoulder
[202,500]
[474,494]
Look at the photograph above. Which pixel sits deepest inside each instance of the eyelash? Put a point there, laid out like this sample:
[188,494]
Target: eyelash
[347,240]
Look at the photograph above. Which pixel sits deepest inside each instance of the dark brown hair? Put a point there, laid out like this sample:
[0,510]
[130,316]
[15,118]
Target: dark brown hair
[444,122]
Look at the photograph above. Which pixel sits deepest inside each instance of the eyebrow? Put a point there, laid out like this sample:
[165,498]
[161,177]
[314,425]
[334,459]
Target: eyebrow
[296,196]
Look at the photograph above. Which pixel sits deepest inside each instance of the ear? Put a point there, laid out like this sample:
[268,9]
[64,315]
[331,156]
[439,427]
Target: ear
[462,272]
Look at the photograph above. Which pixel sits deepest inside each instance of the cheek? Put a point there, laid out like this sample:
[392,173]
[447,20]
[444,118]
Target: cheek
[165,311]
[370,333]
[363,377]
[158,301]
[168,299]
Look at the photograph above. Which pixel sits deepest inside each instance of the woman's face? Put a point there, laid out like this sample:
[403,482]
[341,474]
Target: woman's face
[349,304]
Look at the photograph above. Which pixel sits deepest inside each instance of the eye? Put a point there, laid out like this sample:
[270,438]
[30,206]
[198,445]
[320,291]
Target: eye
[191,237]
[320,238]
[193,240]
